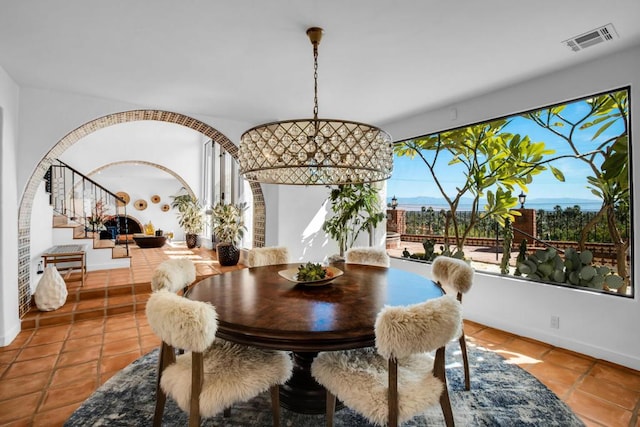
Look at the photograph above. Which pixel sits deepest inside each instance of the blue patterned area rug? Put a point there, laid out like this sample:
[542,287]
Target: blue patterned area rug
[502,394]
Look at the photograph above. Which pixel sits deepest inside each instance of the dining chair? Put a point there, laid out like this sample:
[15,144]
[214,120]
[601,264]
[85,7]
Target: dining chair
[397,379]
[367,255]
[173,275]
[455,276]
[212,374]
[271,255]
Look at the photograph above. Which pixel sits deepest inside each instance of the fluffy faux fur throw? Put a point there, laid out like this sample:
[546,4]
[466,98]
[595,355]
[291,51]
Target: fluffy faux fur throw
[427,326]
[180,322]
[369,256]
[232,373]
[173,275]
[453,273]
[267,256]
[359,379]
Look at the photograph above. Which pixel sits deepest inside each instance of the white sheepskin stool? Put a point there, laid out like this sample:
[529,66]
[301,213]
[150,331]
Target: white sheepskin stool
[398,379]
[455,277]
[267,256]
[227,372]
[173,275]
[369,256]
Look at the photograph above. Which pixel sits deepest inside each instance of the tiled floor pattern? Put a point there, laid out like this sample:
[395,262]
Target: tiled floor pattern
[47,372]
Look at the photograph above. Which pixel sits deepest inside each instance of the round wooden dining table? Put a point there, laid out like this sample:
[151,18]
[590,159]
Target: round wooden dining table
[258,307]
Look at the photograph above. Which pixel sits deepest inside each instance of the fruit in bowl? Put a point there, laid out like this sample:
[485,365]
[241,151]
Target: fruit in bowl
[310,272]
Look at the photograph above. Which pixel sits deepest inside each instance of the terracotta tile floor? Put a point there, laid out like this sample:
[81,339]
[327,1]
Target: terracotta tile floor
[61,357]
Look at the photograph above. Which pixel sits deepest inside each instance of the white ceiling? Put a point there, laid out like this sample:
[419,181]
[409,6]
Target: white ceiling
[250,60]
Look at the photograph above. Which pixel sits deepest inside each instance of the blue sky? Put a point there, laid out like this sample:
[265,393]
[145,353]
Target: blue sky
[411,177]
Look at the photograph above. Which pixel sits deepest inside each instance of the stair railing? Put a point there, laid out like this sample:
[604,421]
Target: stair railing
[85,202]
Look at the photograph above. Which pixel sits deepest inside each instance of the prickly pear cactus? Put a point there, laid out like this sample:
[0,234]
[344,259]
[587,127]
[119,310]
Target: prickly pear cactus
[522,255]
[576,269]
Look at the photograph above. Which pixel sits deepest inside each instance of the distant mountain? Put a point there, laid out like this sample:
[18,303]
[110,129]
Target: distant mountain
[437,203]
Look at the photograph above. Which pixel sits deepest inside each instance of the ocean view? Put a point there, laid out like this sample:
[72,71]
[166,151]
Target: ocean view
[416,204]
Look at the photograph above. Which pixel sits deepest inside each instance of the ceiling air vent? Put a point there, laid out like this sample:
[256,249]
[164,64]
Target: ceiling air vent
[591,38]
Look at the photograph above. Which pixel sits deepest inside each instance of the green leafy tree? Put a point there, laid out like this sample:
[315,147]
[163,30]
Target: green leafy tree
[494,164]
[356,208]
[607,158]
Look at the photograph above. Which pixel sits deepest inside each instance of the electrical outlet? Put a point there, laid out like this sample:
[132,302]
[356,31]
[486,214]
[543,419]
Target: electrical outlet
[555,322]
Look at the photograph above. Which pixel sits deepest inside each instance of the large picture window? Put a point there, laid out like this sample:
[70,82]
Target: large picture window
[544,194]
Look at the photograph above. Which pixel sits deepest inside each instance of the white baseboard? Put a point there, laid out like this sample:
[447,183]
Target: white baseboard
[11,335]
[630,361]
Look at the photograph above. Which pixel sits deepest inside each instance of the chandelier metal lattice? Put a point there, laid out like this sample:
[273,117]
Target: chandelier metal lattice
[315,151]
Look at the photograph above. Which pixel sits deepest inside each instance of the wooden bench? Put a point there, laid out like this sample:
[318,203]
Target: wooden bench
[67,259]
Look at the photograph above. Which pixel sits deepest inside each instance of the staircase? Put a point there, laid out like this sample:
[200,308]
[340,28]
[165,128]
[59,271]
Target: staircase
[81,206]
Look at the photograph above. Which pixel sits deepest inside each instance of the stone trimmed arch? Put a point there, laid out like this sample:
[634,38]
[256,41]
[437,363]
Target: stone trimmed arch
[26,203]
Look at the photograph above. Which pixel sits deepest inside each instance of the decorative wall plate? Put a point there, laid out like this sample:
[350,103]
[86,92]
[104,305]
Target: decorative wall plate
[140,204]
[155,198]
[124,196]
[165,208]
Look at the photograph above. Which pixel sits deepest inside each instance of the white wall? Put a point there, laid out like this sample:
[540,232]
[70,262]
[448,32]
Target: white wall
[602,326]
[294,219]
[143,189]
[301,212]
[9,106]
[47,116]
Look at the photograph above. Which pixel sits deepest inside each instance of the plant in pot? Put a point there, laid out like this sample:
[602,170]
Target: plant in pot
[190,218]
[227,225]
[99,215]
[356,208]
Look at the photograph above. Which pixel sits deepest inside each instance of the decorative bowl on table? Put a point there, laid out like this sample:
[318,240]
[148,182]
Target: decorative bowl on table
[293,275]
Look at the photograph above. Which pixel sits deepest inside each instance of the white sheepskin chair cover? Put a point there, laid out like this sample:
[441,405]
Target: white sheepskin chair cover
[232,373]
[180,322]
[368,256]
[267,256]
[405,330]
[173,275]
[359,377]
[453,273]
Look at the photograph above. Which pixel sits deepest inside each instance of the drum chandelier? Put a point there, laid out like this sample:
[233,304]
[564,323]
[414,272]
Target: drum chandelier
[315,151]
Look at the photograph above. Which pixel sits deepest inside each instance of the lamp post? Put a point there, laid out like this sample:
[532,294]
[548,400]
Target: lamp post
[394,202]
[522,198]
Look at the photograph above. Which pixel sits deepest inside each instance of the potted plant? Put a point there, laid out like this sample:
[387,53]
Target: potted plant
[99,215]
[356,208]
[190,218]
[227,225]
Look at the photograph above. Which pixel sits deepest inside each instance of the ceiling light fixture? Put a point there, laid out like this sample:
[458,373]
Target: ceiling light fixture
[315,151]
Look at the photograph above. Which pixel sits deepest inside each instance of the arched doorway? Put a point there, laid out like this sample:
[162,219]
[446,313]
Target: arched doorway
[24,213]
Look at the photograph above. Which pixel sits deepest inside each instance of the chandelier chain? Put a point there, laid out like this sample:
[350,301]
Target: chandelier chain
[315,81]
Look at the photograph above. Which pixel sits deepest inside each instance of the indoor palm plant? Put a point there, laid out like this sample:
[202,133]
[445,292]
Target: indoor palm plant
[190,218]
[227,225]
